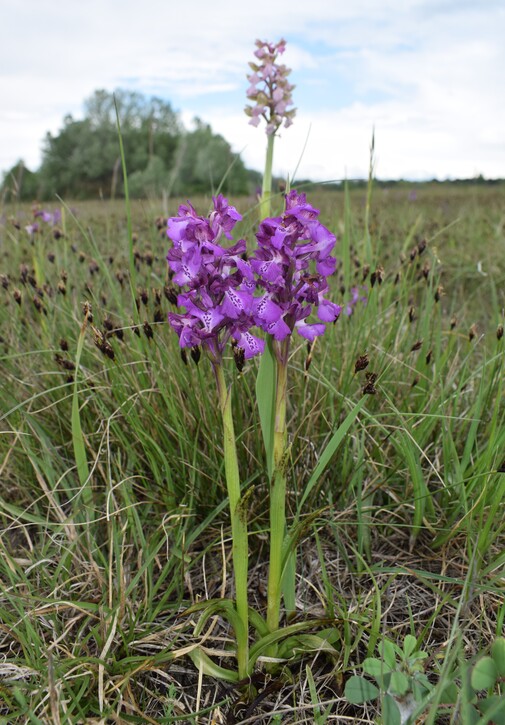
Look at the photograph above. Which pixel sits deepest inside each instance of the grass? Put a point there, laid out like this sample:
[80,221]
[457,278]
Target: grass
[113,511]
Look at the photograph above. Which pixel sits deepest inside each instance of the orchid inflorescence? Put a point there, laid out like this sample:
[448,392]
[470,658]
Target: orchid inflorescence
[276,289]
[270,89]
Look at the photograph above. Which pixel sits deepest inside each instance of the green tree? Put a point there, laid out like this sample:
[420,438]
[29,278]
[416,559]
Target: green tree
[205,160]
[83,158]
[20,184]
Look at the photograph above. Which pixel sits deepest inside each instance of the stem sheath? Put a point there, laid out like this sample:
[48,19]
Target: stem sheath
[238,522]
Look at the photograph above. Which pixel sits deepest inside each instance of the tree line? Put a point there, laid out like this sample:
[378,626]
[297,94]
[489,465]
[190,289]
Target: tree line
[83,159]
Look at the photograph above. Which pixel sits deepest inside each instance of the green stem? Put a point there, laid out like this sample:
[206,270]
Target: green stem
[238,522]
[266,190]
[278,492]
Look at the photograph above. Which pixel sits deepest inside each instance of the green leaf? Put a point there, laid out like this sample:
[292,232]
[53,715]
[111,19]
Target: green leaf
[390,712]
[419,690]
[375,668]
[265,396]
[450,694]
[331,448]
[409,645]
[358,690]
[387,650]
[493,707]
[399,684]
[484,674]
[77,435]
[498,655]
[303,643]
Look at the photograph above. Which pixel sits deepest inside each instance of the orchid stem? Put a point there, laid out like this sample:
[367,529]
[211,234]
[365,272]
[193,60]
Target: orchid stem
[278,492]
[266,189]
[238,522]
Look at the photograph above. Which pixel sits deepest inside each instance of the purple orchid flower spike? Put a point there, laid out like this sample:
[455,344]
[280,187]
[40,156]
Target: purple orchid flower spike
[292,264]
[219,280]
[270,90]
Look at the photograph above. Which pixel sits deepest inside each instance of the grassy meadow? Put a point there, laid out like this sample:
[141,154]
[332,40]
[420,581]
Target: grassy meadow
[113,509]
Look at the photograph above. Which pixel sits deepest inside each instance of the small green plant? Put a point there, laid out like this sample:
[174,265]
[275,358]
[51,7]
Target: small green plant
[487,674]
[401,682]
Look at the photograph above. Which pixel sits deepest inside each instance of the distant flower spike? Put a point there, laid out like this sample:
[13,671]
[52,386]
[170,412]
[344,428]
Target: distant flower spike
[270,90]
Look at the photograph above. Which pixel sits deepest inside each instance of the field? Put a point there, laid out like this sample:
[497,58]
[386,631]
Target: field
[113,504]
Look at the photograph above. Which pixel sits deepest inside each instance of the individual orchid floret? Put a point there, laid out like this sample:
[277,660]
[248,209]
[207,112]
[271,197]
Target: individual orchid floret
[270,90]
[219,281]
[292,264]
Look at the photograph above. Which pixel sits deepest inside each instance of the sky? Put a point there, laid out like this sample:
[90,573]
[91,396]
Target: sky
[426,76]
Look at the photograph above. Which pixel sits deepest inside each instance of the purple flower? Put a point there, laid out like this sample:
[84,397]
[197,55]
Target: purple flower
[219,280]
[32,228]
[48,217]
[269,89]
[292,264]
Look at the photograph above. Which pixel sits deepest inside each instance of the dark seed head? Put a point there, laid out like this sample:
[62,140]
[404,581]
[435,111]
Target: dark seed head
[439,293]
[38,304]
[454,322]
[412,314]
[17,296]
[195,354]
[62,287]
[239,357]
[428,356]
[472,332]
[361,363]
[23,273]
[416,346]
[499,332]
[369,389]
[377,276]
[170,294]
[148,330]
[107,350]
[421,246]
[87,311]
[184,356]
[64,363]
[63,344]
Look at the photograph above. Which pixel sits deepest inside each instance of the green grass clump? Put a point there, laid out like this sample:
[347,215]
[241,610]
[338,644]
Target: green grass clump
[113,511]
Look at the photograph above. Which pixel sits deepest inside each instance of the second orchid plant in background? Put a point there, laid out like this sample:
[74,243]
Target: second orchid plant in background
[271,94]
